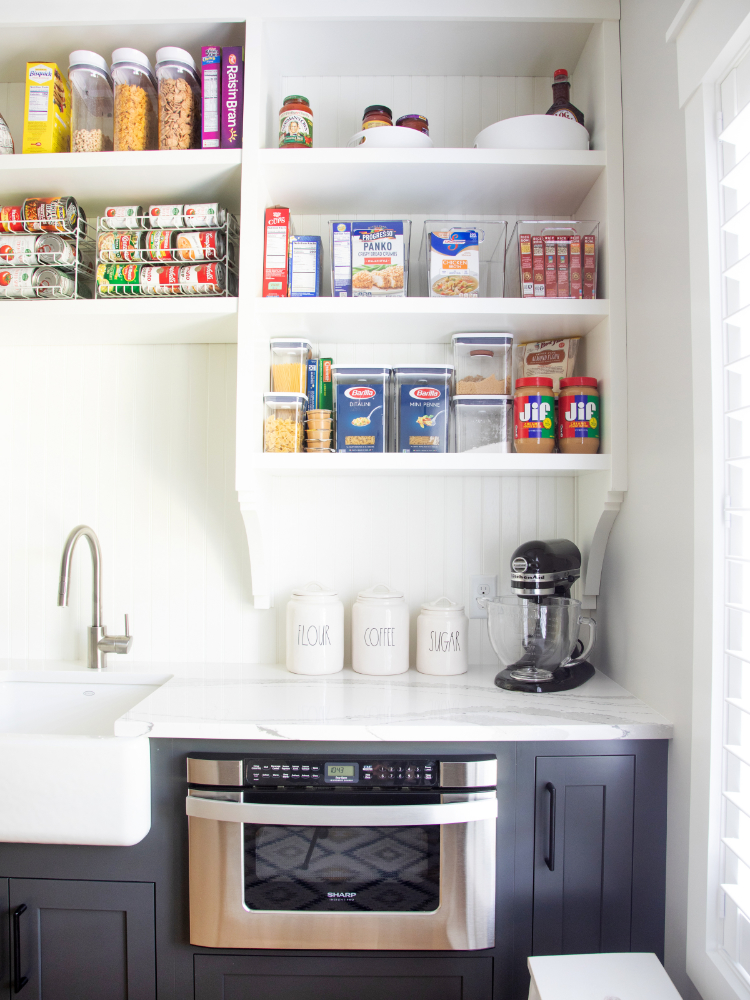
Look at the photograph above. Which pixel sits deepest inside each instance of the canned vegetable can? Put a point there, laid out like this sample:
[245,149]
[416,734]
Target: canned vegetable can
[121,247]
[123,217]
[119,279]
[165,216]
[202,279]
[17,282]
[206,245]
[158,244]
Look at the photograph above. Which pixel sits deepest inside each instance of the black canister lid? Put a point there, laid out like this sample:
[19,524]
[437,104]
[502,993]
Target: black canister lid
[373,108]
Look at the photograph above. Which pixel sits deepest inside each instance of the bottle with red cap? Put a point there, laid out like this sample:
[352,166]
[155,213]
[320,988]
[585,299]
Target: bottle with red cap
[561,105]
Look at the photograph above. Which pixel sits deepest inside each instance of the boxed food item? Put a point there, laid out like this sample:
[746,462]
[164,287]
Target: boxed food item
[290,357]
[305,260]
[46,123]
[563,259]
[232,86]
[312,384]
[464,258]
[553,359]
[283,426]
[421,407]
[361,398]
[341,259]
[278,223]
[370,258]
[325,384]
[210,73]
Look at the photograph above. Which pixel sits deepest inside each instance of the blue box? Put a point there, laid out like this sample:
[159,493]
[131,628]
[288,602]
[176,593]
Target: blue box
[341,259]
[305,262]
[312,385]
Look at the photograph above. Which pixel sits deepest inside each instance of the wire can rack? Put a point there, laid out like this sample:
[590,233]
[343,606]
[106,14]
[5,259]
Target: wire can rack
[53,264]
[142,260]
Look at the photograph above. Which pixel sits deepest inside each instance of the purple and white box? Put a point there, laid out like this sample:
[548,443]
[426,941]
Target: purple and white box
[232,85]
[210,91]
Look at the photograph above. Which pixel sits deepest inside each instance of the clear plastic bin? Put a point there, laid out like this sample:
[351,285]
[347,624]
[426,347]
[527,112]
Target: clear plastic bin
[179,99]
[361,398]
[283,427]
[554,258]
[370,258]
[92,103]
[483,424]
[483,363]
[135,100]
[463,258]
[421,407]
[289,357]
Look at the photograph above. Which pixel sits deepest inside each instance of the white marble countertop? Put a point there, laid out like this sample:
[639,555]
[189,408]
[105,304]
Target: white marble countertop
[213,701]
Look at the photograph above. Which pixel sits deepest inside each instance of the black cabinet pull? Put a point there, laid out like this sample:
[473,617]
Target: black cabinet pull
[19,981]
[550,859]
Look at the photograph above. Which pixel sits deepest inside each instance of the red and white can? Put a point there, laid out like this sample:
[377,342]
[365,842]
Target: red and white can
[165,216]
[202,279]
[206,245]
[53,284]
[205,216]
[17,282]
[123,217]
[160,280]
[17,250]
[11,219]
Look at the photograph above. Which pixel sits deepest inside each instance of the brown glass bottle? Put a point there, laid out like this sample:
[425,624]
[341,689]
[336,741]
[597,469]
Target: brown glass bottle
[561,105]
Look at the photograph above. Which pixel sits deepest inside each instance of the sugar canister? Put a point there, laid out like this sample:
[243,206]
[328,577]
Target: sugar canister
[314,631]
[442,638]
[380,632]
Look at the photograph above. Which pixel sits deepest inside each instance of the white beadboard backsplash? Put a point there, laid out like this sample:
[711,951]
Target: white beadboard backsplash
[139,442]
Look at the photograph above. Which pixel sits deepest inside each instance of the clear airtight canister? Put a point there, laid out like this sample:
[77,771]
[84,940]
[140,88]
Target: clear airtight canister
[314,631]
[442,638]
[92,103]
[380,632]
[135,100]
[179,99]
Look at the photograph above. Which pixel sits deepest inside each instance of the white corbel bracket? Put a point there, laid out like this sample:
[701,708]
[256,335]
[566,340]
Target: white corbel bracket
[597,547]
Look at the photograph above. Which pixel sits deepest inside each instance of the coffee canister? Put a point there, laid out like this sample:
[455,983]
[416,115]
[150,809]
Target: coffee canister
[442,638]
[314,631]
[380,632]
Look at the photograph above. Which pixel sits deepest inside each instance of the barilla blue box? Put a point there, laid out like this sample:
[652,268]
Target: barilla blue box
[423,399]
[341,259]
[305,263]
[312,385]
[210,93]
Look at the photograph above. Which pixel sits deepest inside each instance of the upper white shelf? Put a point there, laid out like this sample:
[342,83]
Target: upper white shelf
[430,181]
[98,179]
[424,320]
[466,463]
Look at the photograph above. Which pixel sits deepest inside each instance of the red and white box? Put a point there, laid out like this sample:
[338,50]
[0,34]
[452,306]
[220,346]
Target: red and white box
[563,267]
[537,255]
[275,256]
[576,281]
[550,267]
[589,267]
[527,274]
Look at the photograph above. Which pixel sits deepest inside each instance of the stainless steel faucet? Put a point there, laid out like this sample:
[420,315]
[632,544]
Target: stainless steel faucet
[99,643]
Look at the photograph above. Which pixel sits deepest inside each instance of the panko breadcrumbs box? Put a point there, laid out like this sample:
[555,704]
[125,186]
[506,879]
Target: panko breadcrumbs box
[380,258]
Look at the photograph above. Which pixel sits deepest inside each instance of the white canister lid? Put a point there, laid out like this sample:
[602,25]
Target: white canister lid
[442,606]
[379,594]
[313,592]
[132,56]
[171,53]
[82,57]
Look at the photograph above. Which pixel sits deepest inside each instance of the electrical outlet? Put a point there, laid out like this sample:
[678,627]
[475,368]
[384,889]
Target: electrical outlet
[481,586]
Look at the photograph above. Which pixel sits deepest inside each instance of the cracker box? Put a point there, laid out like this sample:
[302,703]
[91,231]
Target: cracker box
[537,251]
[589,267]
[576,274]
[379,258]
[454,264]
[527,269]
[210,94]
[46,121]
[305,260]
[275,276]
[563,267]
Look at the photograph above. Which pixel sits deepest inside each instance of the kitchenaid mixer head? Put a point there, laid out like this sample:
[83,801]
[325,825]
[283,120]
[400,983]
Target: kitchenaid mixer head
[542,569]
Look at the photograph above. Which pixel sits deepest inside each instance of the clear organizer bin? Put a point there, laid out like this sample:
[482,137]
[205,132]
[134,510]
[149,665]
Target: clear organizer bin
[552,258]
[50,265]
[483,363]
[289,357]
[175,260]
[462,258]
[369,258]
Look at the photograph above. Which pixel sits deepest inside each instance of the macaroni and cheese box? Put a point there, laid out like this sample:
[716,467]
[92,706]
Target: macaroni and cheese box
[454,263]
[46,121]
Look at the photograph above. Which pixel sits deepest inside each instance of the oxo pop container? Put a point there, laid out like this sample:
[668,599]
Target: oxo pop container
[421,407]
[283,427]
[483,423]
[92,103]
[289,357]
[361,399]
[483,363]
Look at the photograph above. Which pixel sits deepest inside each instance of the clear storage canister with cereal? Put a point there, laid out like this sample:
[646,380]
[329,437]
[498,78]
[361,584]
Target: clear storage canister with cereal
[135,100]
[534,416]
[179,99]
[283,427]
[289,357]
[92,103]
[483,363]
[578,418]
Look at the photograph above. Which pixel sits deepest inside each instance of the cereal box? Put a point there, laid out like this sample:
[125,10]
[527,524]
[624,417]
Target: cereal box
[454,263]
[46,122]
[378,259]
[210,73]
[232,86]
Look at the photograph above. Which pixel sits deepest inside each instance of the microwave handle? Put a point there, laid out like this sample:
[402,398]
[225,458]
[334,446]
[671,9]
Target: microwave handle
[278,814]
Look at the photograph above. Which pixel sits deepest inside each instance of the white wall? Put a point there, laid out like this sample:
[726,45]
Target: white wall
[645,610]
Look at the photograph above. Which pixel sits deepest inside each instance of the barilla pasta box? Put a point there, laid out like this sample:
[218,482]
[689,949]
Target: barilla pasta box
[378,258]
[454,263]
[305,260]
[312,384]
[422,407]
[232,86]
[210,94]
[341,259]
[275,279]
[46,122]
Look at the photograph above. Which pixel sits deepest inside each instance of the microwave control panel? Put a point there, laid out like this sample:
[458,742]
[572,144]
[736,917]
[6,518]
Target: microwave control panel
[419,773]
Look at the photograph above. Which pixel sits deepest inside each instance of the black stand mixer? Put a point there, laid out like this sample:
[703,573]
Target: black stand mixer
[536,631]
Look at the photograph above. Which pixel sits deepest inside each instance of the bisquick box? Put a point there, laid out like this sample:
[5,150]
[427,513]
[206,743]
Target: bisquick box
[46,121]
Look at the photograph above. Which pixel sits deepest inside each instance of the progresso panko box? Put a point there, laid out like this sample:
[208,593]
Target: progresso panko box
[370,258]
[361,398]
[421,407]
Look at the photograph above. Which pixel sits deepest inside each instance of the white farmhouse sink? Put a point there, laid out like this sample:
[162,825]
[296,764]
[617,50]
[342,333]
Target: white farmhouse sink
[65,778]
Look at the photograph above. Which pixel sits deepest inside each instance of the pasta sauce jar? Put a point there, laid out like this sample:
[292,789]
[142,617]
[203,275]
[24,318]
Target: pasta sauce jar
[376,115]
[417,122]
[295,123]
[534,416]
[578,416]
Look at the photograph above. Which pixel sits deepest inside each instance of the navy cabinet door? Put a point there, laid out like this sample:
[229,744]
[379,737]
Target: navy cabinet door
[583,854]
[224,977]
[82,940]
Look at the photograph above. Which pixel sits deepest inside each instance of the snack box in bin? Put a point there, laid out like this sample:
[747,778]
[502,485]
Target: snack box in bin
[552,258]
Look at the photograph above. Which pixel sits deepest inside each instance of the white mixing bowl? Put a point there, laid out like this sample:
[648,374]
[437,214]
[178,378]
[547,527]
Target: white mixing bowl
[533,132]
[391,137]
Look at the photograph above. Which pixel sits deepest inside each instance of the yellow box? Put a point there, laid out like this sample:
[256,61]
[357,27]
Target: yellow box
[46,120]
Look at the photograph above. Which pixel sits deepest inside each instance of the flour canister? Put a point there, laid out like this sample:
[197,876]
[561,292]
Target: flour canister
[314,631]
[442,638]
[380,632]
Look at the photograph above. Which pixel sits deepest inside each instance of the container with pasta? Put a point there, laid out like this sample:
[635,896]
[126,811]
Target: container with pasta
[283,427]
[289,357]
[135,100]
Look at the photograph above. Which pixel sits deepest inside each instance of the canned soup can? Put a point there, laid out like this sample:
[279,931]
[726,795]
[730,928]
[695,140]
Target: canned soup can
[51,215]
[11,219]
[206,245]
[207,216]
[51,249]
[53,284]
[17,282]
[123,217]
[119,279]
[158,244]
[18,250]
[202,279]
[121,248]
[165,216]
[160,280]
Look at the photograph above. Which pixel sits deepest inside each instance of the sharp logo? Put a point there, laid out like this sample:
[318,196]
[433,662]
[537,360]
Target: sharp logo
[341,895]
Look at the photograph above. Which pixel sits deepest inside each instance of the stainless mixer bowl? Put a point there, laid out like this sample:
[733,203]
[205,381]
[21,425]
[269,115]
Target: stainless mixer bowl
[533,640]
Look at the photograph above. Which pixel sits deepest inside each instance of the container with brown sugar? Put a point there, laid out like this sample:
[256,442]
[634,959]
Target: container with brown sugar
[483,363]
[579,421]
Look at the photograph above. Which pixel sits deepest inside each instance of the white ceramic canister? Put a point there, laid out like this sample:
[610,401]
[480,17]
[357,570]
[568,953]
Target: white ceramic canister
[442,638]
[314,631]
[380,632]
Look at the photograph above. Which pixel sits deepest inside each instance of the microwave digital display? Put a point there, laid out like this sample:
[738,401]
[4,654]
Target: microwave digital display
[343,773]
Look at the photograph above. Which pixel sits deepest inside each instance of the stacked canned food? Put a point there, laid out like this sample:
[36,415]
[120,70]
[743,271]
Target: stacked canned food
[167,250]
[45,250]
